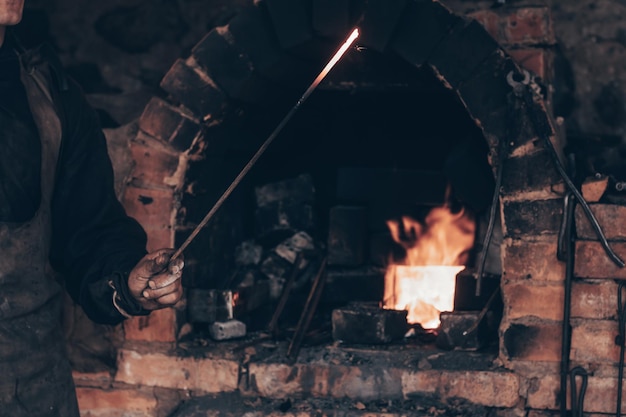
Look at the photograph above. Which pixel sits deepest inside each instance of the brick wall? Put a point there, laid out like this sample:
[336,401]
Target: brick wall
[473,54]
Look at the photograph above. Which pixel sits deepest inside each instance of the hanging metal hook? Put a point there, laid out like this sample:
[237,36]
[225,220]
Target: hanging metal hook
[578,397]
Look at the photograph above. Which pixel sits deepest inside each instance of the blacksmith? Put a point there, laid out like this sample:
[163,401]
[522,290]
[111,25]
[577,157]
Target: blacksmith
[59,215]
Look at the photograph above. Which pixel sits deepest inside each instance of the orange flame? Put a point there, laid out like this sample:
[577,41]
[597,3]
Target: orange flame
[423,282]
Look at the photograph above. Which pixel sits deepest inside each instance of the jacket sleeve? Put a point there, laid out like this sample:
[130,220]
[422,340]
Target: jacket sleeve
[95,243]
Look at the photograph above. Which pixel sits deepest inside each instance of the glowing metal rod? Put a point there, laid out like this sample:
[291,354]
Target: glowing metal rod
[342,50]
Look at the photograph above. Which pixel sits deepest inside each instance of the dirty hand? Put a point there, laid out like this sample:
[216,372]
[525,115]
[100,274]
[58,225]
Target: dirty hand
[155,282]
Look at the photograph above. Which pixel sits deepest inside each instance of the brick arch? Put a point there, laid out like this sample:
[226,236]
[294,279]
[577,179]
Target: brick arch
[264,49]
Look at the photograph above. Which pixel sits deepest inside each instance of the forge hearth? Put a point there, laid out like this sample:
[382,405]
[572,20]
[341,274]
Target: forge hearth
[429,98]
[276,266]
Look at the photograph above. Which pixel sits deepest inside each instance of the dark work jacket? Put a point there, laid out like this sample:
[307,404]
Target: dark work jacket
[93,241]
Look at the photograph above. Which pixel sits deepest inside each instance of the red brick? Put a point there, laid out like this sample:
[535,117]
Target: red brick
[282,381]
[528,25]
[154,163]
[594,341]
[542,301]
[114,403]
[601,396]
[594,300]
[531,340]
[168,371]
[591,260]
[493,389]
[611,218]
[536,260]
[524,219]
[543,392]
[192,87]
[421,382]
[230,67]
[159,326]
[153,208]
[535,60]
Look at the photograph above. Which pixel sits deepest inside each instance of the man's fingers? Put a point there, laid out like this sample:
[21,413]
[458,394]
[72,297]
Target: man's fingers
[163,280]
[156,294]
[159,263]
[176,266]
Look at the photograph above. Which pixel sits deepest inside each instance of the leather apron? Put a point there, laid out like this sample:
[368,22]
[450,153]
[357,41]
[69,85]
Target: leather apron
[35,375]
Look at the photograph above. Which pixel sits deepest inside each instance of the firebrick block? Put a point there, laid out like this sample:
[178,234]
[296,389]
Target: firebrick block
[283,218]
[155,164]
[168,124]
[231,69]
[538,115]
[291,21]
[277,270]
[253,33]
[527,300]
[194,90]
[290,248]
[536,60]
[344,285]
[544,267]
[532,341]
[208,306]
[529,26]
[152,207]
[160,326]
[465,298]
[458,331]
[486,94]
[227,330]
[529,172]
[592,261]
[610,217]
[540,217]
[347,235]
[462,51]
[297,189]
[368,324]
[379,22]
[331,17]
[422,26]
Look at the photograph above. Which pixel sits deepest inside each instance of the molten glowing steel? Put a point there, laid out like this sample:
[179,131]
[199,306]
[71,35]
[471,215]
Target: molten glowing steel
[423,282]
[342,50]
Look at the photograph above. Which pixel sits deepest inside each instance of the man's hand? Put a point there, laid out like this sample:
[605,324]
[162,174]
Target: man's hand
[155,282]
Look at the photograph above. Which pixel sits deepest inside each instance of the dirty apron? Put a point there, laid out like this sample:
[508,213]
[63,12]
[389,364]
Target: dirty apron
[35,376]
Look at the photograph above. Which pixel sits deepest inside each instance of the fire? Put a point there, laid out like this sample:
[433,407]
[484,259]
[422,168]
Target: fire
[436,251]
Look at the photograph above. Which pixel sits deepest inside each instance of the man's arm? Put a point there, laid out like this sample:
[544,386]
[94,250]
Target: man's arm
[97,247]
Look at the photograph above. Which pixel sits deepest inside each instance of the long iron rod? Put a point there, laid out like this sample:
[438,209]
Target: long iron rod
[342,50]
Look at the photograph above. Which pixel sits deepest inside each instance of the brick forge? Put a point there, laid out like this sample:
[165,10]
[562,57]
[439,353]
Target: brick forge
[250,60]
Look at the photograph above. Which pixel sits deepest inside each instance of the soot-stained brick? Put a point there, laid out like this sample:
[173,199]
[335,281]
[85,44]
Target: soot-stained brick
[533,217]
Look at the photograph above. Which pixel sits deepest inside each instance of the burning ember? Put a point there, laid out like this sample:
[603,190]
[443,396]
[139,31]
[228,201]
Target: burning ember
[436,251]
